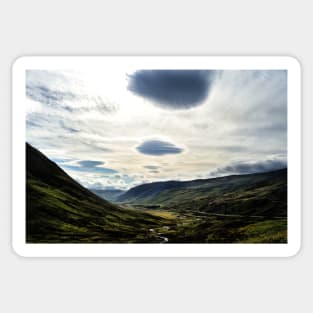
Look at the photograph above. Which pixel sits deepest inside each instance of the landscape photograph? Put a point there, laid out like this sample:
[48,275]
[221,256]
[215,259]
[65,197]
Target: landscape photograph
[158,156]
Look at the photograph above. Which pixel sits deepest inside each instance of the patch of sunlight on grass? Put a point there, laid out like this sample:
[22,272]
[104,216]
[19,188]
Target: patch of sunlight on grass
[164,214]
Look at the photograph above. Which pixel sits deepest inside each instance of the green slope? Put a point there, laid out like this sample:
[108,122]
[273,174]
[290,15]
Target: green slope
[58,209]
[234,209]
[254,194]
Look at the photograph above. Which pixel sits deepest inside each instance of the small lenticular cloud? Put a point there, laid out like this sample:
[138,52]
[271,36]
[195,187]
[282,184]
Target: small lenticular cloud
[158,148]
[88,163]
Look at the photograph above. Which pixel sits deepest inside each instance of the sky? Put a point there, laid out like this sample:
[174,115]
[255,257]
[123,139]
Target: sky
[116,130]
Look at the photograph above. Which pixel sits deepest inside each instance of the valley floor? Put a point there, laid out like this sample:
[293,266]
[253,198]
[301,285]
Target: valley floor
[203,227]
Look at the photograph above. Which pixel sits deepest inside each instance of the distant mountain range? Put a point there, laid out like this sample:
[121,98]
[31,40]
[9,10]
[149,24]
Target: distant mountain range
[259,194]
[108,194]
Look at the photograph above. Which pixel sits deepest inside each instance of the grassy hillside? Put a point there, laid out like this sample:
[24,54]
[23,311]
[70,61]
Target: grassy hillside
[234,209]
[58,209]
[254,194]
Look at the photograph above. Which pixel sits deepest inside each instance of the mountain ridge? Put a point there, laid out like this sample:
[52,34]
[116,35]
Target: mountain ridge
[149,190]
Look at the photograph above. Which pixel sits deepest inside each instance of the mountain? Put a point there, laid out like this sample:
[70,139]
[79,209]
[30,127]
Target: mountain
[108,194]
[232,209]
[58,209]
[253,194]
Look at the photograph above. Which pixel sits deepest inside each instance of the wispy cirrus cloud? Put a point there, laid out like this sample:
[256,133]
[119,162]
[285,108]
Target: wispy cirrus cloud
[50,97]
[53,89]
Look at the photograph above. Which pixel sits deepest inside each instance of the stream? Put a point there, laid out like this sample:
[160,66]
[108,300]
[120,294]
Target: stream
[159,235]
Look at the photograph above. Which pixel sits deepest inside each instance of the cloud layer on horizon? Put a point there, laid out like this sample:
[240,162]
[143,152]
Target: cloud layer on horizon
[250,167]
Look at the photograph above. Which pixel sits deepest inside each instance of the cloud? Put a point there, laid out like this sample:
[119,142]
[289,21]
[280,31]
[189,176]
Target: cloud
[251,167]
[230,148]
[87,166]
[49,97]
[93,169]
[62,160]
[30,123]
[87,163]
[152,167]
[112,182]
[54,90]
[173,89]
[68,128]
[158,147]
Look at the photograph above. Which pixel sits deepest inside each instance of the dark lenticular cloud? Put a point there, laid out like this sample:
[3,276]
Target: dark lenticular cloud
[152,167]
[89,169]
[158,147]
[251,167]
[87,163]
[86,166]
[173,89]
